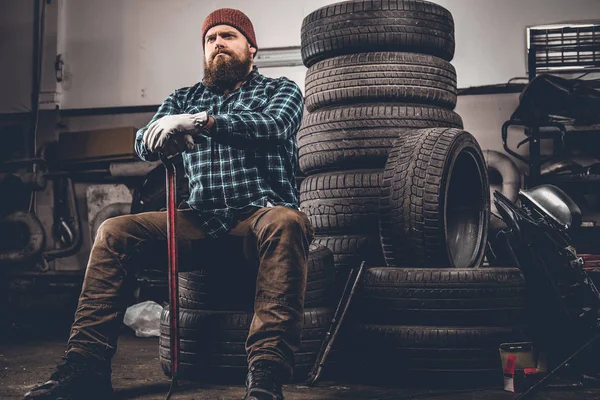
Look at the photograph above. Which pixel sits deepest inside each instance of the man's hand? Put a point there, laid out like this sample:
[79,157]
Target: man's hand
[159,133]
[178,143]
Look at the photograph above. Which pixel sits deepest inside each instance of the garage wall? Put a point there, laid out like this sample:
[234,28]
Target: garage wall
[16,37]
[16,55]
[135,52]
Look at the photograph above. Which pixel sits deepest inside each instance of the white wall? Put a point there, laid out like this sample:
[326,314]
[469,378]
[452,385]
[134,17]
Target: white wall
[135,52]
[490,34]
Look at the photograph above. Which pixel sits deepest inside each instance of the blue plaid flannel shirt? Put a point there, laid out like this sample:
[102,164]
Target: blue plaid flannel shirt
[250,159]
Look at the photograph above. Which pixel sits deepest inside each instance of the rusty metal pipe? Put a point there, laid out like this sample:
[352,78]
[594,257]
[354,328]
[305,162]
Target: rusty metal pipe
[75,230]
[37,238]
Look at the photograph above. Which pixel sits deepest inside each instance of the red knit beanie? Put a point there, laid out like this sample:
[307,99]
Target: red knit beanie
[231,17]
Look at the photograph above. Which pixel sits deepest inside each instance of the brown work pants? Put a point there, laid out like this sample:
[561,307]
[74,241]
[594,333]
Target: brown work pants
[276,239]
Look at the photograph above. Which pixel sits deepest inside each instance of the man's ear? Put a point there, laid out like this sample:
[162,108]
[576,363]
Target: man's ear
[253,51]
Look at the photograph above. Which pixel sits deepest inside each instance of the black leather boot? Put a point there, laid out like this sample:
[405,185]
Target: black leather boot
[264,381]
[73,380]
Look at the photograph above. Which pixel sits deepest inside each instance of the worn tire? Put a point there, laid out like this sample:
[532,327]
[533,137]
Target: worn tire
[430,355]
[385,25]
[214,342]
[435,201]
[233,326]
[212,290]
[442,297]
[381,77]
[215,290]
[195,290]
[320,278]
[350,250]
[234,374]
[360,136]
[342,202]
[224,367]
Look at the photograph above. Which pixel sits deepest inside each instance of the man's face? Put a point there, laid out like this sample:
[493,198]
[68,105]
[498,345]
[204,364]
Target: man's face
[227,57]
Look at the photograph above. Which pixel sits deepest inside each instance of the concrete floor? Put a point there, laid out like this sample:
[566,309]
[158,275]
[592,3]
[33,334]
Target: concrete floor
[27,361]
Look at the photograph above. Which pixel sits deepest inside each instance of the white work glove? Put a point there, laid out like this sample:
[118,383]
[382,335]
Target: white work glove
[160,132]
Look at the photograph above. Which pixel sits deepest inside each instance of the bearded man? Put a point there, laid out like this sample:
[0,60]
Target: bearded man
[236,132]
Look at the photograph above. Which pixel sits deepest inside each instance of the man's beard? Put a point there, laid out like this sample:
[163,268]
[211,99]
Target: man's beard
[225,72]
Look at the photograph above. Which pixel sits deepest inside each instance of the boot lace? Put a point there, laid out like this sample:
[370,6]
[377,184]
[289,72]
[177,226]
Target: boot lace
[266,377]
[67,371]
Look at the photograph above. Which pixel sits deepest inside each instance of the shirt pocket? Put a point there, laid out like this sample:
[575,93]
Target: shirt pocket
[256,103]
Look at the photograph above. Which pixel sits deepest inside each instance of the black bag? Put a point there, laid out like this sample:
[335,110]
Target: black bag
[549,95]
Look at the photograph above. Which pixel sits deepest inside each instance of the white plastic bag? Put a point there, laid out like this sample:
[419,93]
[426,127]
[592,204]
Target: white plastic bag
[144,318]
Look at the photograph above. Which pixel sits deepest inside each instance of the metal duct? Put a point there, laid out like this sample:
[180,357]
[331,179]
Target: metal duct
[36,242]
[511,180]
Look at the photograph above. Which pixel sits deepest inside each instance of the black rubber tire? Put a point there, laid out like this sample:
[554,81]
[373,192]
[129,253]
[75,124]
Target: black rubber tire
[233,326]
[238,347]
[195,290]
[381,77]
[320,263]
[442,297]
[198,372]
[437,356]
[342,202]
[350,250]
[360,136]
[435,194]
[213,342]
[384,25]
[215,290]
[226,360]
[320,278]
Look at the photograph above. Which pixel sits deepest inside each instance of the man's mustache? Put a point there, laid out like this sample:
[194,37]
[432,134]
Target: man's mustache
[220,51]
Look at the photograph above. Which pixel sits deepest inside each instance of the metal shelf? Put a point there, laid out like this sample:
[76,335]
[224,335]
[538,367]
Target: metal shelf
[563,48]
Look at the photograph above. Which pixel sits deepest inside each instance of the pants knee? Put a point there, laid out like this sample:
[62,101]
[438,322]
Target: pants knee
[114,230]
[286,219]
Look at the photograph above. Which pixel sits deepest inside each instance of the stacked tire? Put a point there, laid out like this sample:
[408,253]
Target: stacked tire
[393,179]
[216,312]
[433,326]
[376,70]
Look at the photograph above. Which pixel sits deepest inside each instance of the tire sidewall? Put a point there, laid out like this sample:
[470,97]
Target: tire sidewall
[465,142]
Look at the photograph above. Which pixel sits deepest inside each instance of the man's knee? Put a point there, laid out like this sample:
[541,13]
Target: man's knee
[115,227]
[285,218]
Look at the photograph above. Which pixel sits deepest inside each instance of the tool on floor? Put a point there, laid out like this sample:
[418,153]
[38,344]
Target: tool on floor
[336,323]
[545,380]
[171,186]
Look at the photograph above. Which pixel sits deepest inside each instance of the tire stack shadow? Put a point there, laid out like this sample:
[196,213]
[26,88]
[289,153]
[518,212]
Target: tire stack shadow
[393,179]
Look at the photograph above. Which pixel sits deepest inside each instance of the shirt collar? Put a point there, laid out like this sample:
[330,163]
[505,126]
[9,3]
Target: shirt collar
[252,75]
